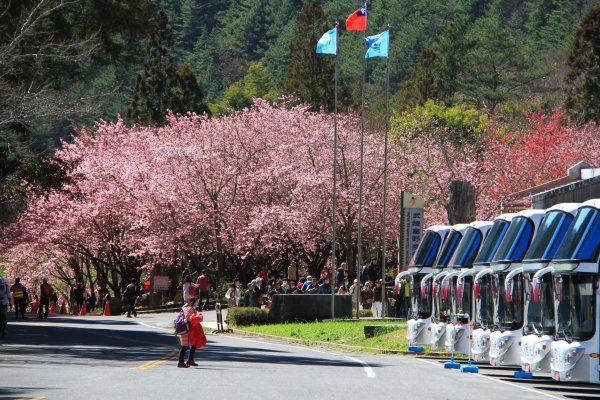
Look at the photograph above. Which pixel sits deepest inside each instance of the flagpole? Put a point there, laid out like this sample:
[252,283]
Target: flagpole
[360,176]
[334,217]
[385,164]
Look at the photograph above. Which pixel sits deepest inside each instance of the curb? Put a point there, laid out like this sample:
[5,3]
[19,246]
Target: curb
[308,342]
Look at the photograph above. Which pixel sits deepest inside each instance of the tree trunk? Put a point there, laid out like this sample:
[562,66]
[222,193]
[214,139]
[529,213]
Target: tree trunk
[461,206]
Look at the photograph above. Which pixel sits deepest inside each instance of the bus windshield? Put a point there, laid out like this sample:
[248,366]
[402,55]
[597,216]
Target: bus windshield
[427,251]
[549,236]
[441,303]
[461,302]
[450,245]
[421,305]
[491,244]
[574,305]
[516,242]
[507,314]
[582,240]
[484,303]
[540,308]
[467,249]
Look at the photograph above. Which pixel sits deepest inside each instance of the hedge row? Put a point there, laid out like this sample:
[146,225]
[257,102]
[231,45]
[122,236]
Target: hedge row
[239,316]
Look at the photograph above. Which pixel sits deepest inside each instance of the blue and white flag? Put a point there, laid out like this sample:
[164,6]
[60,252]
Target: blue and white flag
[328,42]
[378,45]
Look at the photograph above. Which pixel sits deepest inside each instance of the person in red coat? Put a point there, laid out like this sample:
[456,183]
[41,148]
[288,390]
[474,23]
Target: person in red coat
[194,338]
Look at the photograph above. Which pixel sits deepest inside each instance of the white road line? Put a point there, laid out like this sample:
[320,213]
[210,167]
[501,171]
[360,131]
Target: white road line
[368,370]
[152,326]
[366,367]
[499,381]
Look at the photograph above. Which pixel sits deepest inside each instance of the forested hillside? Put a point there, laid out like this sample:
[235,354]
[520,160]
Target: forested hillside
[70,63]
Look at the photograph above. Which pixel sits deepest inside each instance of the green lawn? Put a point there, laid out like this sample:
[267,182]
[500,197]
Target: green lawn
[338,332]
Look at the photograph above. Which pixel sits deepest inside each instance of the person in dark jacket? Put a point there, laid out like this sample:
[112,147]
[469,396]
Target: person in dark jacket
[20,296]
[129,296]
[79,295]
[250,297]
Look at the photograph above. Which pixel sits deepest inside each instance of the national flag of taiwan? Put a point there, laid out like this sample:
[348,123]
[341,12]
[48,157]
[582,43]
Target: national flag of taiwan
[357,21]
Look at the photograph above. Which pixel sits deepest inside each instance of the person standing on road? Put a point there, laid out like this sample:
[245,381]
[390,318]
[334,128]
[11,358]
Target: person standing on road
[4,305]
[19,295]
[194,338]
[46,292]
[129,298]
[79,296]
[203,283]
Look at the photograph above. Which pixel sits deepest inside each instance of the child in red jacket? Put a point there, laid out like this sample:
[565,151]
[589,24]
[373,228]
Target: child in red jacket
[194,338]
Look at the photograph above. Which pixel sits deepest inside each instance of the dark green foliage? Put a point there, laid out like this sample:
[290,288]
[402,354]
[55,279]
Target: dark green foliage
[187,95]
[160,87]
[583,79]
[310,76]
[424,83]
[240,316]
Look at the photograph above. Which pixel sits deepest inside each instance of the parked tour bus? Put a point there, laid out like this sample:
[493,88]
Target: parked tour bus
[419,328]
[491,315]
[507,318]
[538,326]
[443,283]
[463,303]
[575,351]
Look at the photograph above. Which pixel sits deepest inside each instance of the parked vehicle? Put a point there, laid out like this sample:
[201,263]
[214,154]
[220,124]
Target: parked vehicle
[444,308]
[419,328]
[538,326]
[575,352]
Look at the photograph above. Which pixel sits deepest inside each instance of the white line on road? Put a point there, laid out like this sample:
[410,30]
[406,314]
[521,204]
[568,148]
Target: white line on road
[499,381]
[368,370]
[366,367]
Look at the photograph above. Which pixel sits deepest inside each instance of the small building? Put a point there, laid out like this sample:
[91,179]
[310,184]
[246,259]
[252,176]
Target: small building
[581,183]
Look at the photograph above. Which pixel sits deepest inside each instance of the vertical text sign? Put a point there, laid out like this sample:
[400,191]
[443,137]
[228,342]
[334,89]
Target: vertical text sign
[413,224]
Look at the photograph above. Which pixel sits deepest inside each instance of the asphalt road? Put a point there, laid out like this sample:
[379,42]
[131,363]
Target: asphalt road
[119,358]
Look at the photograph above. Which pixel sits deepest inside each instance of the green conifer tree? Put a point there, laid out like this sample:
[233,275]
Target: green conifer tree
[160,86]
[151,97]
[583,79]
[309,75]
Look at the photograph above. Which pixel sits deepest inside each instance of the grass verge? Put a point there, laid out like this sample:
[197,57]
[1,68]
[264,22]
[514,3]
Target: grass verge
[338,332]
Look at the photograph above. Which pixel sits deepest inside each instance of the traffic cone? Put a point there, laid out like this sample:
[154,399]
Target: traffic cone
[106,309]
[52,307]
[84,309]
[63,308]
[75,310]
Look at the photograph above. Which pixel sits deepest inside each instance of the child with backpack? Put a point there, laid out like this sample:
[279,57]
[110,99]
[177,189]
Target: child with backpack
[191,335]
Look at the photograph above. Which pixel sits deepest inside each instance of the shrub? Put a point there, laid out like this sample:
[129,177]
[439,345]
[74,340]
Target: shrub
[362,313]
[239,316]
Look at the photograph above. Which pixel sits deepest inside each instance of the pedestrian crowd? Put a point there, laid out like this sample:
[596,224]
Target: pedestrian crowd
[366,290]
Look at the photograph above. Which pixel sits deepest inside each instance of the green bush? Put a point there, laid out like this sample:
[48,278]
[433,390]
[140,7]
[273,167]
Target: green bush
[240,316]
[362,313]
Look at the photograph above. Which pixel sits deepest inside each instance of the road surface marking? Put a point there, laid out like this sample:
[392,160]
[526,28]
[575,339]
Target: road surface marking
[31,398]
[156,363]
[154,327]
[499,381]
[366,367]
[368,370]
